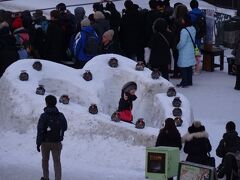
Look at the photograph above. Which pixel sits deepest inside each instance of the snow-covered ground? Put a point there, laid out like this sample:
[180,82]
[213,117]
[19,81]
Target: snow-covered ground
[94,147]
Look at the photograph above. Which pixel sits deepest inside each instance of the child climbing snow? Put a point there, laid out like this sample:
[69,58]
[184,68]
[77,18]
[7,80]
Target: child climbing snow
[125,102]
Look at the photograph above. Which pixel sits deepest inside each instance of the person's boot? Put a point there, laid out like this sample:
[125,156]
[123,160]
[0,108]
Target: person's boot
[42,178]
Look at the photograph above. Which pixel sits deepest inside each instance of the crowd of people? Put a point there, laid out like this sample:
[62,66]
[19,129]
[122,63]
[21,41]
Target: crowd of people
[77,37]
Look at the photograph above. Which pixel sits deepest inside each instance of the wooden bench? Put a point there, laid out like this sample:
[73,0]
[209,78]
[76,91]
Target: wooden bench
[209,58]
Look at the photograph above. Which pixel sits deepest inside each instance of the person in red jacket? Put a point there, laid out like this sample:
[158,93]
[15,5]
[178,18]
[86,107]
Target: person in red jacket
[125,102]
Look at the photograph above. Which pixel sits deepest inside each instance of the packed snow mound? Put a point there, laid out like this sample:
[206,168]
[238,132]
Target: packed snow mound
[22,107]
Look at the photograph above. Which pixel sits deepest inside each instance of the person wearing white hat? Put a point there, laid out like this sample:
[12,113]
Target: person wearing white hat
[109,45]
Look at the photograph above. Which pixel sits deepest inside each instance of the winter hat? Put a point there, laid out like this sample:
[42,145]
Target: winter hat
[51,100]
[79,12]
[61,7]
[85,22]
[129,86]
[98,15]
[196,127]
[109,34]
[17,23]
[230,126]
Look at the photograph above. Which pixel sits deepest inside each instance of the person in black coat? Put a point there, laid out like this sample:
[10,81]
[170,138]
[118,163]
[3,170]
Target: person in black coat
[197,144]
[160,44]
[8,49]
[131,34]
[169,135]
[230,143]
[55,39]
[115,18]
[151,16]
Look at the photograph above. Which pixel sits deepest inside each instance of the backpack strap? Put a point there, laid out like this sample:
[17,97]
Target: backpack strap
[194,45]
[165,39]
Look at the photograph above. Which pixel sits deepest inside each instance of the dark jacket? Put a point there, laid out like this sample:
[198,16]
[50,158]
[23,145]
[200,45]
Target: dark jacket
[197,146]
[111,47]
[150,18]
[8,50]
[131,32]
[126,104]
[160,49]
[49,113]
[101,26]
[229,143]
[55,42]
[169,138]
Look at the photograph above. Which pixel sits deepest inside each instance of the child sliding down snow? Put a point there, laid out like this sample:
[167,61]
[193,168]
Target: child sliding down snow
[125,102]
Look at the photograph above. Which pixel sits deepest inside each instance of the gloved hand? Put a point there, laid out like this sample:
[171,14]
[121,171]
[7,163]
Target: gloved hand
[38,148]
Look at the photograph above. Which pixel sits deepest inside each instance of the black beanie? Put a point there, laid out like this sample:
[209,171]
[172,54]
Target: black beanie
[51,100]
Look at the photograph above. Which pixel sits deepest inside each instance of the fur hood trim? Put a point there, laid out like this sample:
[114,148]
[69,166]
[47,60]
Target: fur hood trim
[198,135]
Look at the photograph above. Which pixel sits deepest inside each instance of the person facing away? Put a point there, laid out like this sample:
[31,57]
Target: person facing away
[125,102]
[50,131]
[55,39]
[186,58]
[85,44]
[230,143]
[160,45]
[169,135]
[197,144]
[195,14]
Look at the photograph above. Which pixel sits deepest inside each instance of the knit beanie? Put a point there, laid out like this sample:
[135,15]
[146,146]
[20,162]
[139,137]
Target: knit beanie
[109,34]
[85,22]
[129,86]
[17,23]
[98,15]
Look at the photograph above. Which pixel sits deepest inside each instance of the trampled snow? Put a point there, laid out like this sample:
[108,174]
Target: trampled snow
[94,147]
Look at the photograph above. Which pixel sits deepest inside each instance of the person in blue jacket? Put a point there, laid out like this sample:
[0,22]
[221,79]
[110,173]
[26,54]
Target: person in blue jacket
[186,58]
[195,14]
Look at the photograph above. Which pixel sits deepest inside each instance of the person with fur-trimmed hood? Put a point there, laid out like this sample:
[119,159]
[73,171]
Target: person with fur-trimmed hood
[197,144]
[125,102]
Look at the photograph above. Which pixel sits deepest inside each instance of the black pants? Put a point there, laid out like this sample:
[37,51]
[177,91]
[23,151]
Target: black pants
[186,73]
[229,164]
[237,85]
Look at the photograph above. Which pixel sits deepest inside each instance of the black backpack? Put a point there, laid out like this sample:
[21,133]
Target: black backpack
[200,26]
[54,131]
[91,44]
